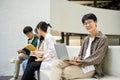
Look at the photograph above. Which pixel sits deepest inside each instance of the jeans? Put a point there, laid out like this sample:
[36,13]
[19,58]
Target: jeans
[24,64]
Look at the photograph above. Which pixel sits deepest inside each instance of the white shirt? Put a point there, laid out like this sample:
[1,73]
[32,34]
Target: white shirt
[38,43]
[49,51]
[91,67]
[30,41]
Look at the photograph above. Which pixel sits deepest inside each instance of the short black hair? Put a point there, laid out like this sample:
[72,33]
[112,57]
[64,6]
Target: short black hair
[43,26]
[89,16]
[27,29]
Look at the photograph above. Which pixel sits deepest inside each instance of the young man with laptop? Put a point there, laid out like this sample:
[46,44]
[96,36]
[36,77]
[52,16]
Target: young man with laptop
[90,59]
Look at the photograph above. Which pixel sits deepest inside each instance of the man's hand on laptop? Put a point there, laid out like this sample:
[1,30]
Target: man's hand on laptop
[74,61]
[75,58]
[77,63]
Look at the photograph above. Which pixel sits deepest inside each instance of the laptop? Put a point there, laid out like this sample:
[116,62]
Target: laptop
[61,51]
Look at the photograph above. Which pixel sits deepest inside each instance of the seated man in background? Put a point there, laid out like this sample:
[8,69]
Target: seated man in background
[39,48]
[90,59]
[22,55]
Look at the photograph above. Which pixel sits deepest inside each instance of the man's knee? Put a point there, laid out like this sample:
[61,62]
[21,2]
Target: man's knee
[67,70]
[22,56]
[18,60]
[57,63]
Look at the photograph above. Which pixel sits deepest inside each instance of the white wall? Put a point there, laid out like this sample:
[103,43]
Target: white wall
[66,17]
[14,16]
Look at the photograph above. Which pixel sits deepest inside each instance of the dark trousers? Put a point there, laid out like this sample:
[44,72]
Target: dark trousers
[32,66]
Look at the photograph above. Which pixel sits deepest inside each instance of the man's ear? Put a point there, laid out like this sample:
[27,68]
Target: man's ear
[96,23]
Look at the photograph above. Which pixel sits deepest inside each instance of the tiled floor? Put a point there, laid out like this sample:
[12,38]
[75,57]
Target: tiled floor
[7,77]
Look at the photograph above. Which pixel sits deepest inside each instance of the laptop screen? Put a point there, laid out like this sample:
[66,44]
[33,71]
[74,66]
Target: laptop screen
[61,51]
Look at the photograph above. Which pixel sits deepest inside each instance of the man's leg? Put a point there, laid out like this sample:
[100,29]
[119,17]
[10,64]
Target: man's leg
[19,60]
[72,72]
[57,69]
[30,69]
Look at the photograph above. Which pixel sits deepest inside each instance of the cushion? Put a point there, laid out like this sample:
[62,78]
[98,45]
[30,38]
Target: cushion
[104,78]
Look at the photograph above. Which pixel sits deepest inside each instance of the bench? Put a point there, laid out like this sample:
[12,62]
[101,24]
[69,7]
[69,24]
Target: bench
[111,65]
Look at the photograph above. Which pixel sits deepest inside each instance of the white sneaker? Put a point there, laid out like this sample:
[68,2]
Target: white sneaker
[13,78]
